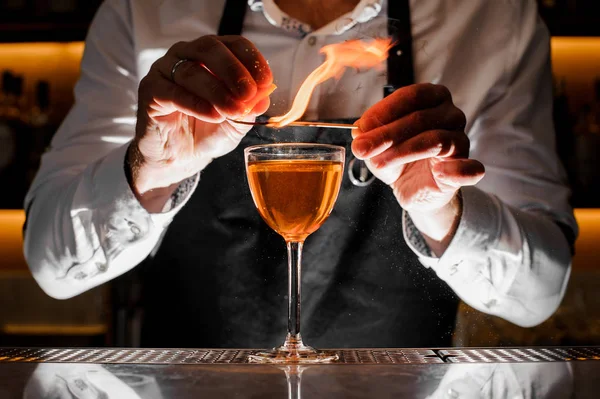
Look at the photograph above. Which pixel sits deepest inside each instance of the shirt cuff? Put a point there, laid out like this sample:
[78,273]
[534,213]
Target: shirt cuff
[178,199]
[477,232]
[182,193]
[111,179]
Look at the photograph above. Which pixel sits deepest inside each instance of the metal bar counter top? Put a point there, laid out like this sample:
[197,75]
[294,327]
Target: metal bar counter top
[556,372]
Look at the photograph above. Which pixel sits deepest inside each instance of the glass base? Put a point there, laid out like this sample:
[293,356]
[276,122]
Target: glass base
[293,351]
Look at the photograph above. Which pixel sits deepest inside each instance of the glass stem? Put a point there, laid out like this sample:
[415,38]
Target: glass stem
[293,339]
[293,375]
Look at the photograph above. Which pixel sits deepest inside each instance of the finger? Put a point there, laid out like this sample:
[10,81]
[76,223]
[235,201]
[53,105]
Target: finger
[366,148]
[195,78]
[261,107]
[251,58]
[430,144]
[166,97]
[218,58]
[263,92]
[372,143]
[402,102]
[458,172]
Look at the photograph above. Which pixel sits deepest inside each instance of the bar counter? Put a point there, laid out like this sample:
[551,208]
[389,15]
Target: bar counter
[556,372]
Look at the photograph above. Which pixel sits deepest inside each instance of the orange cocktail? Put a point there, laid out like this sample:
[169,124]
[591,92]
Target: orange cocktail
[294,187]
[295,197]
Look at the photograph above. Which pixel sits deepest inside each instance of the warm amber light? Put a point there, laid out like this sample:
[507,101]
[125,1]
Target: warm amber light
[11,240]
[577,61]
[57,63]
[43,59]
[587,251]
[53,329]
[577,58]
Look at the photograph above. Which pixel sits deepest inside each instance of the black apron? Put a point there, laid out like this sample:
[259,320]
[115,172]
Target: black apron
[219,278]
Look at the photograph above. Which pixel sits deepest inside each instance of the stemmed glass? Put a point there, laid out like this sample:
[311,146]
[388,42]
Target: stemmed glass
[294,187]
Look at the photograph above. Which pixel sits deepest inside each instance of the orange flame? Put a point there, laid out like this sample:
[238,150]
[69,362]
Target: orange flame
[352,53]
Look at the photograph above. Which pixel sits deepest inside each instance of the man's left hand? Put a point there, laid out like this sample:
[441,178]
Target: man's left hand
[414,140]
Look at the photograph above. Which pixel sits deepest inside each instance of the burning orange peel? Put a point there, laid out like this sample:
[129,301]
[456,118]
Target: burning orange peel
[261,94]
[353,53]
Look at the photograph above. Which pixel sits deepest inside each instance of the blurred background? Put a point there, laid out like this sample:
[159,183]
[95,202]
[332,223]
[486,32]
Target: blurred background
[41,44]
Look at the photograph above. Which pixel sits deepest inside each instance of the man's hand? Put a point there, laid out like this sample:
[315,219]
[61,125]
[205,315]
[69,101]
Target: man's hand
[182,119]
[414,141]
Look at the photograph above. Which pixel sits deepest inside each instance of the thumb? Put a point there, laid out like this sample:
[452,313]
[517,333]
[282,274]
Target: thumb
[457,173]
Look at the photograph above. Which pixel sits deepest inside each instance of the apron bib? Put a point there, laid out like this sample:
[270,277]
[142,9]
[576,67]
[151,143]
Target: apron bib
[219,278]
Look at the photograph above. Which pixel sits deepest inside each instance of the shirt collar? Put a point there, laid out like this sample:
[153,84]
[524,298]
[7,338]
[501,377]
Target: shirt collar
[364,11]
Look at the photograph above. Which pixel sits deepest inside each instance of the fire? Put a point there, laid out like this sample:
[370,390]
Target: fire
[353,53]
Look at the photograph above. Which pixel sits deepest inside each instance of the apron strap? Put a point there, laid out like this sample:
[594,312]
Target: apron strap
[232,20]
[400,58]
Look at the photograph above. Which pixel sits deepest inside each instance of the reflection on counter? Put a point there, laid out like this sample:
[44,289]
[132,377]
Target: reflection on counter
[50,381]
[493,381]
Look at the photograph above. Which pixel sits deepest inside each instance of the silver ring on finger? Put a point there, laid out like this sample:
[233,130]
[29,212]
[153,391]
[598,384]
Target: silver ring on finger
[363,179]
[175,66]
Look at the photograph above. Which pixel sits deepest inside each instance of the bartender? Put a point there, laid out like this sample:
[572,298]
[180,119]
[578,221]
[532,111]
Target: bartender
[147,165]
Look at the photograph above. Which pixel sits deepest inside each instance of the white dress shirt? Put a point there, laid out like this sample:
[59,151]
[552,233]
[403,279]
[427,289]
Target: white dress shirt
[543,380]
[507,258]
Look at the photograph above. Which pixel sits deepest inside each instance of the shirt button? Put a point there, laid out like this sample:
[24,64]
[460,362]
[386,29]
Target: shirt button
[135,230]
[80,276]
[312,40]
[102,267]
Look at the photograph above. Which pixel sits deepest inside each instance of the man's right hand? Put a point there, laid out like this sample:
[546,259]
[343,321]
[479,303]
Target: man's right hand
[182,122]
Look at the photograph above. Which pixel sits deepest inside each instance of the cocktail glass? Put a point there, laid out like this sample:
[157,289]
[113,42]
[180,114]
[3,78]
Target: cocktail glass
[294,187]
